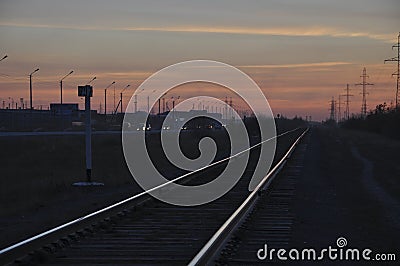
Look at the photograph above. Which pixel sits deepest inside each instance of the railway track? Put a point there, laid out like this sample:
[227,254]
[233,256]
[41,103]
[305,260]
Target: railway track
[265,217]
[143,230]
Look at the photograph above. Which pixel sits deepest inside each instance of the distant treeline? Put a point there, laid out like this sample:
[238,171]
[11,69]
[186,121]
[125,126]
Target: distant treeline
[282,124]
[383,120]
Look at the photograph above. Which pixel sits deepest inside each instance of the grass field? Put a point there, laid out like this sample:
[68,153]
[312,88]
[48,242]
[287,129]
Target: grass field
[39,168]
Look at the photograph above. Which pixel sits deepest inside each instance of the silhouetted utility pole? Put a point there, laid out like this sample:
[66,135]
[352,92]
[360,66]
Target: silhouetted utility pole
[61,85]
[148,101]
[339,116]
[105,97]
[114,99]
[231,109]
[332,116]
[226,107]
[396,59]
[135,102]
[30,86]
[120,100]
[364,93]
[136,98]
[348,95]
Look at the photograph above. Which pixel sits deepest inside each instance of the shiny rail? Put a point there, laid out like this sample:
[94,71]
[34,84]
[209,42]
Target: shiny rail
[211,247]
[137,196]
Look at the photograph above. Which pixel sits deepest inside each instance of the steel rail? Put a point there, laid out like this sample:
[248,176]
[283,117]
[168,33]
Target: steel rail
[103,210]
[211,246]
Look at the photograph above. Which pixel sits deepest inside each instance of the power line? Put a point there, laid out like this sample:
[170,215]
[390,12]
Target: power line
[396,59]
[332,109]
[348,95]
[339,115]
[364,93]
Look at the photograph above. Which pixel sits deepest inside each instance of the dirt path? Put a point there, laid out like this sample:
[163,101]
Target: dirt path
[337,196]
[388,203]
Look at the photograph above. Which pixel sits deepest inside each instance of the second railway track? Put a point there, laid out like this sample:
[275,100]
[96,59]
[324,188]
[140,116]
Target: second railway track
[154,232]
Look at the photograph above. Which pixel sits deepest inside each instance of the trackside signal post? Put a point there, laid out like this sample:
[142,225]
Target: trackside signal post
[87,92]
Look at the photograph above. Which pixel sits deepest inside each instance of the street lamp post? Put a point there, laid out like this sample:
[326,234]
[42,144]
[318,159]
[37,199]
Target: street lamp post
[148,101]
[91,80]
[163,103]
[61,85]
[30,86]
[159,103]
[173,109]
[136,100]
[4,57]
[105,97]
[127,86]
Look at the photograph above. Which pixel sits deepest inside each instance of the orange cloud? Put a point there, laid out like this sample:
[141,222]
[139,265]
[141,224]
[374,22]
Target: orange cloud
[320,64]
[311,31]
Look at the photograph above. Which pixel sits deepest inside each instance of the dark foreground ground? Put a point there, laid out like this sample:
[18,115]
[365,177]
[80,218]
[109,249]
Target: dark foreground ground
[350,187]
[36,192]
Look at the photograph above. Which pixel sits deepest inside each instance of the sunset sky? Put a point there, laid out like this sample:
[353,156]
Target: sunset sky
[301,53]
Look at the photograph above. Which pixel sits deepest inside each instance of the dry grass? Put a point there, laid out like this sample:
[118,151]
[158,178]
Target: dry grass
[38,169]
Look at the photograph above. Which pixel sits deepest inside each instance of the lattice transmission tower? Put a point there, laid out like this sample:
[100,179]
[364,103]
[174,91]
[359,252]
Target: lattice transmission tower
[396,59]
[347,102]
[333,109]
[364,92]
